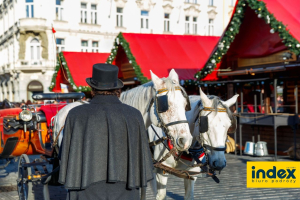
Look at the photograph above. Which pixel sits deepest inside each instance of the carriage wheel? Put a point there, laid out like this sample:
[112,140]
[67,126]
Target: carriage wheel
[24,186]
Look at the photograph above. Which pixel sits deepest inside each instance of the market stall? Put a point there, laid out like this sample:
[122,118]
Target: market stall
[73,68]
[257,57]
[137,54]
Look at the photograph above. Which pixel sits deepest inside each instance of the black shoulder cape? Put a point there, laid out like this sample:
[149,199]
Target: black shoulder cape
[105,141]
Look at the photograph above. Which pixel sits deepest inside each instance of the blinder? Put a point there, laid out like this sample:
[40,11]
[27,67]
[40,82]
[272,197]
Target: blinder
[162,103]
[203,124]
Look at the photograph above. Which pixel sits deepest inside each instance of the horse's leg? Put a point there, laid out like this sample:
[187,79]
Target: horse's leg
[153,187]
[189,188]
[143,193]
[161,186]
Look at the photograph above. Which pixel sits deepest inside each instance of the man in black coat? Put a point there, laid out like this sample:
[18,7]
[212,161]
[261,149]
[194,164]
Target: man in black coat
[105,153]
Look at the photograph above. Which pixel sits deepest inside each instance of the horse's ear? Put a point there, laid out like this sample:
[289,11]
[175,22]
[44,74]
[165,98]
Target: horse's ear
[205,100]
[231,101]
[158,83]
[174,76]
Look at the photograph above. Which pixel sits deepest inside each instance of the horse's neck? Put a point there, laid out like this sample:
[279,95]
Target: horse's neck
[139,100]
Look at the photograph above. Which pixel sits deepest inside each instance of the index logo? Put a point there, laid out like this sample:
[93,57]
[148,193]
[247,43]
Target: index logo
[273,174]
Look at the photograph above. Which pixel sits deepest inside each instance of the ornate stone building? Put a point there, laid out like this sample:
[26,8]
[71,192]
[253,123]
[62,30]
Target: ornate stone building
[27,44]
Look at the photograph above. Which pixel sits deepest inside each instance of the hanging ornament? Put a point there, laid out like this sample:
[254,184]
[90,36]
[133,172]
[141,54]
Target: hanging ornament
[298,45]
[272,31]
[209,66]
[231,29]
[290,45]
[244,4]
[63,63]
[259,15]
[268,19]
[130,61]
[197,76]
[205,72]
[232,22]
[259,9]
[213,61]
[279,27]
[227,47]
[216,53]
[239,11]
[231,36]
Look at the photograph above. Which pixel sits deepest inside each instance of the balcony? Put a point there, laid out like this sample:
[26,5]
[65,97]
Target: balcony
[38,24]
[40,65]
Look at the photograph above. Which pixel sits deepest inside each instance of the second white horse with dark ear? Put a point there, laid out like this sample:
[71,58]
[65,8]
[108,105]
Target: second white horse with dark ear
[219,122]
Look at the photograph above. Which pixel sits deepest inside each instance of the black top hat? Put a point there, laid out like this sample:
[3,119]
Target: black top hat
[105,77]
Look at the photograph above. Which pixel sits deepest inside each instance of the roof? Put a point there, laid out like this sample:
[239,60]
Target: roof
[160,53]
[258,28]
[75,67]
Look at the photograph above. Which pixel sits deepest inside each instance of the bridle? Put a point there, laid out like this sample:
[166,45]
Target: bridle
[155,101]
[201,132]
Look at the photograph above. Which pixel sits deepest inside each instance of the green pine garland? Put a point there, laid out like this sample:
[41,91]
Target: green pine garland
[260,8]
[121,40]
[68,74]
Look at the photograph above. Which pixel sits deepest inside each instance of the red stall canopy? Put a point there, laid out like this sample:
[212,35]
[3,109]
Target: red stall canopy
[258,28]
[75,68]
[187,54]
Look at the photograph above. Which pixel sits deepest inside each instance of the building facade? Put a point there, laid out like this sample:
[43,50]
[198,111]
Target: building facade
[28,45]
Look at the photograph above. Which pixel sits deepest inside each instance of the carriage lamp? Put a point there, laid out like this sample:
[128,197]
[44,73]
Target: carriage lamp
[26,115]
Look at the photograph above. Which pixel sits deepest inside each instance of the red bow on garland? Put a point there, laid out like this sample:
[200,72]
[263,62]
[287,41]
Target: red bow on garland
[53,30]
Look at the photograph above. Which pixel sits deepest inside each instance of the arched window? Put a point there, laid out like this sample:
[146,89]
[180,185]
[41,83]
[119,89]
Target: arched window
[35,49]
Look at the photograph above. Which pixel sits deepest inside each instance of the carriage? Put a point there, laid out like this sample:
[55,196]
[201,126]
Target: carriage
[28,131]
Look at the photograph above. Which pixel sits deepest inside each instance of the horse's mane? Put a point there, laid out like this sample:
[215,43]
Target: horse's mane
[141,96]
[216,102]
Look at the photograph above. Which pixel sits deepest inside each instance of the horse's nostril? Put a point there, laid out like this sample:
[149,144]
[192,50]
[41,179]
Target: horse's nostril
[180,142]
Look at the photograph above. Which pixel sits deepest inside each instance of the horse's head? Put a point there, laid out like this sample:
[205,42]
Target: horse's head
[217,121]
[168,110]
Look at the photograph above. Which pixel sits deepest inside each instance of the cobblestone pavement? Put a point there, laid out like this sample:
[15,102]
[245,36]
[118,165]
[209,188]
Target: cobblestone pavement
[232,185]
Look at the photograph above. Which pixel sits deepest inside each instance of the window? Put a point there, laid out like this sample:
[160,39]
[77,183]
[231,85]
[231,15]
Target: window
[35,49]
[60,45]
[84,46]
[167,22]
[195,25]
[93,14]
[211,2]
[83,13]
[144,19]
[210,26]
[187,24]
[29,9]
[120,17]
[95,45]
[59,10]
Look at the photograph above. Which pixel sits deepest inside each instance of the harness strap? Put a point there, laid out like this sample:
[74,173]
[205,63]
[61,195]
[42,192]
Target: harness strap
[215,148]
[176,122]
[165,89]
[179,173]
[171,152]
[156,142]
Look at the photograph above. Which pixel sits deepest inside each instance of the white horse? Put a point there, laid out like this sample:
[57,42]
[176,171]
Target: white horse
[141,98]
[220,119]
